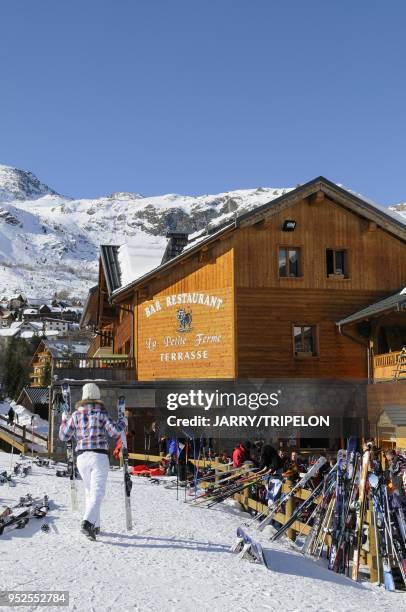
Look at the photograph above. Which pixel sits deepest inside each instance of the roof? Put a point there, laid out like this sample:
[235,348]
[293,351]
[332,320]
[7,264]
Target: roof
[37,395]
[61,347]
[387,220]
[39,301]
[111,268]
[396,301]
[396,414]
[89,311]
[9,332]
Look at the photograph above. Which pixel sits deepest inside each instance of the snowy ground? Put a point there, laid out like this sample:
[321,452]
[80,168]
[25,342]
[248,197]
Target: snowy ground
[177,558]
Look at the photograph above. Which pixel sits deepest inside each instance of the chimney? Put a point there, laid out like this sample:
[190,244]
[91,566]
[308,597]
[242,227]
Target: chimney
[176,243]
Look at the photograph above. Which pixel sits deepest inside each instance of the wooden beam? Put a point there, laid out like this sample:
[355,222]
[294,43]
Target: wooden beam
[263,224]
[316,198]
[144,292]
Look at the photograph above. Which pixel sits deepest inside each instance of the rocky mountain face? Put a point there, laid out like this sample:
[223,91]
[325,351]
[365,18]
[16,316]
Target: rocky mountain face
[21,185]
[49,242]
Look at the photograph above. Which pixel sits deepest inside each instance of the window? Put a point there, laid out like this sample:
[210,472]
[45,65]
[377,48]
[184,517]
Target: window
[304,340]
[337,263]
[289,262]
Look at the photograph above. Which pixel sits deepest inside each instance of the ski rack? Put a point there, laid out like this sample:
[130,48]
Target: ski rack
[368,559]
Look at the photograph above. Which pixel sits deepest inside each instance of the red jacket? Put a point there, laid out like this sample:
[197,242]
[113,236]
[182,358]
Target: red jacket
[238,456]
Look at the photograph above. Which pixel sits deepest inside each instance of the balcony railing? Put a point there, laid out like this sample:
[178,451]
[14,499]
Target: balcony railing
[386,366]
[112,367]
[100,341]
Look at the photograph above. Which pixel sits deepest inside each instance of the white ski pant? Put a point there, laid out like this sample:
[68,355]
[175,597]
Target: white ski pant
[93,469]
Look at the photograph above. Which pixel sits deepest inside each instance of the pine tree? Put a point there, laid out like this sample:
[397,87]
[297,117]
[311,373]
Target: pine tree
[18,358]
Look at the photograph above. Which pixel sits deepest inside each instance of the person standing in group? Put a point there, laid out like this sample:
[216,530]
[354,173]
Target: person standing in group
[91,425]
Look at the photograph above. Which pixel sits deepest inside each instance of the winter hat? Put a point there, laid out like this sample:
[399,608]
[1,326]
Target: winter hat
[90,391]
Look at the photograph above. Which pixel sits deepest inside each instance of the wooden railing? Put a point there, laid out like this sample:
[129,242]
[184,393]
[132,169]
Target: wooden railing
[368,558]
[385,366]
[117,367]
[115,361]
[23,429]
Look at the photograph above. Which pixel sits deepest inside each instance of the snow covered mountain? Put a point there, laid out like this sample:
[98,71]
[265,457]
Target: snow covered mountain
[49,242]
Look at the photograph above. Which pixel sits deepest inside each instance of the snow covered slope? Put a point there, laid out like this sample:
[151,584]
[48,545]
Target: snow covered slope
[176,559]
[400,209]
[49,242]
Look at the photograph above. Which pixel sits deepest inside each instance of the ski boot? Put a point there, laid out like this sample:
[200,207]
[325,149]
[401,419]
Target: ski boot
[89,530]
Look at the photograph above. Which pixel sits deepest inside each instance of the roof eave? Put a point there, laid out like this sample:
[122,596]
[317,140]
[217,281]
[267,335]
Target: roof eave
[385,310]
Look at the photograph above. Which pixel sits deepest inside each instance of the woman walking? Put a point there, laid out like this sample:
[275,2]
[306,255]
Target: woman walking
[91,425]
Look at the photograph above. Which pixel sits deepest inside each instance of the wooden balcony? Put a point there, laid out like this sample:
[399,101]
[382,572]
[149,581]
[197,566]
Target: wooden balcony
[388,366]
[108,367]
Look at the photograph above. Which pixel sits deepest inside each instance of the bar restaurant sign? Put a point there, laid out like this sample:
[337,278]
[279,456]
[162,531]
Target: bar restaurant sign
[180,331]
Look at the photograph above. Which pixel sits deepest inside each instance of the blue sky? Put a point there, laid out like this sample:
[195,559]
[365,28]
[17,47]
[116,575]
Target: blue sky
[202,96]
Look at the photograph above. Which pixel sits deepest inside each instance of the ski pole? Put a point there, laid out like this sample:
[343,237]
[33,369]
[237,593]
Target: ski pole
[177,469]
[186,460]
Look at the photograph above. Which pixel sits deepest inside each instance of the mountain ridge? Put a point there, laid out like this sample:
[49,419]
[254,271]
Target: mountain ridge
[49,242]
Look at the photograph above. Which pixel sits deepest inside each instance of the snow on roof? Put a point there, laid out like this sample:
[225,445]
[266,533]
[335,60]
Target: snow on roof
[39,301]
[387,211]
[28,311]
[8,332]
[37,324]
[61,348]
[28,334]
[138,258]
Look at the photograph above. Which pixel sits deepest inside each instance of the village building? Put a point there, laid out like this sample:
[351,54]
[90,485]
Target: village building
[54,354]
[36,400]
[267,295]
[59,325]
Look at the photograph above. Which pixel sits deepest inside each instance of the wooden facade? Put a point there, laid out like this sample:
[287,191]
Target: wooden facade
[227,309]
[250,333]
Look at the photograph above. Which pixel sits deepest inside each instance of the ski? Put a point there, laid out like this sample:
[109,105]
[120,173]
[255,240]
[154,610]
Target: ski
[313,470]
[18,521]
[251,549]
[344,474]
[126,473]
[360,513]
[382,535]
[67,408]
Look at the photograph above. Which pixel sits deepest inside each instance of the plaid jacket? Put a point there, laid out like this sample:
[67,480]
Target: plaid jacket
[90,424]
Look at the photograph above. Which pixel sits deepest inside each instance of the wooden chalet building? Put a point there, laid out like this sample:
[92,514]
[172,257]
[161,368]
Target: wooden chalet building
[265,296]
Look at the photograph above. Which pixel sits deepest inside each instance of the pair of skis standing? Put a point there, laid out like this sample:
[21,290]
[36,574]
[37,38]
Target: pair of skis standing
[71,467]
